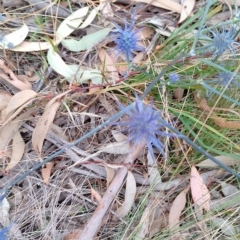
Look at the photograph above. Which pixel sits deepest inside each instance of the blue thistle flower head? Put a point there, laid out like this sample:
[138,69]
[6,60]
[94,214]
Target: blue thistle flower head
[222,40]
[225,79]
[173,77]
[127,39]
[222,81]
[143,125]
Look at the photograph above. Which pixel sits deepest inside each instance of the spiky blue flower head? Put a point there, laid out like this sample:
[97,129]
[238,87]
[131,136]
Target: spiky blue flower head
[127,39]
[222,40]
[173,77]
[223,81]
[143,125]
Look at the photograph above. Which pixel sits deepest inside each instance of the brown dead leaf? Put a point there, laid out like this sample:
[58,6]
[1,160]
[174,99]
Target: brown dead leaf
[19,99]
[110,174]
[176,209]
[221,122]
[7,132]
[46,172]
[11,78]
[42,127]
[130,193]
[96,195]
[200,193]
[187,8]
[45,121]
[18,147]
[4,100]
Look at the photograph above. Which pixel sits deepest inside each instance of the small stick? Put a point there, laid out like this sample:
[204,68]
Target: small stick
[94,224]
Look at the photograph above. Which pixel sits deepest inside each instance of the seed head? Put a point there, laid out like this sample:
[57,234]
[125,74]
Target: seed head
[127,40]
[143,125]
[222,40]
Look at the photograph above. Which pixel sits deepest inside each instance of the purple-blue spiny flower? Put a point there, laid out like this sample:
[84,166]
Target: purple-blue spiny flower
[173,77]
[143,125]
[127,39]
[224,81]
[222,40]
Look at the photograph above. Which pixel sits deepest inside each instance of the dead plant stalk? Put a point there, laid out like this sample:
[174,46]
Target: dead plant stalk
[94,224]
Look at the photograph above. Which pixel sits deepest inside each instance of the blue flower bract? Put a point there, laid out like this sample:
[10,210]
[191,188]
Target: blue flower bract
[143,125]
[127,40]
[222,40]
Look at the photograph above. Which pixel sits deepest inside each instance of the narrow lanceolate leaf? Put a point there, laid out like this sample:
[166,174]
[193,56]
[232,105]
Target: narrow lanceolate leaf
[59,65]
[72,73]
[18,147]
[200,193]
[15,38]
[43,126]
[63,31]
[86,42]
[187,8]
[130,193]
[45,121]
[71,23]
[18,100]
[90,18]
[176,209]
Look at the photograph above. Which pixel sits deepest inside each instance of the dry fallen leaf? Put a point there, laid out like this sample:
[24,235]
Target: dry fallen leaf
[221,122]
[17,101]
[200,193]
[7,132]
[130,193]
[43,126]
[18,147]
[46,172]
[4,100]
[11,78]
[223,159]
[176,209]
[45,122]
[110,174]
[187,8]
[96,195]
